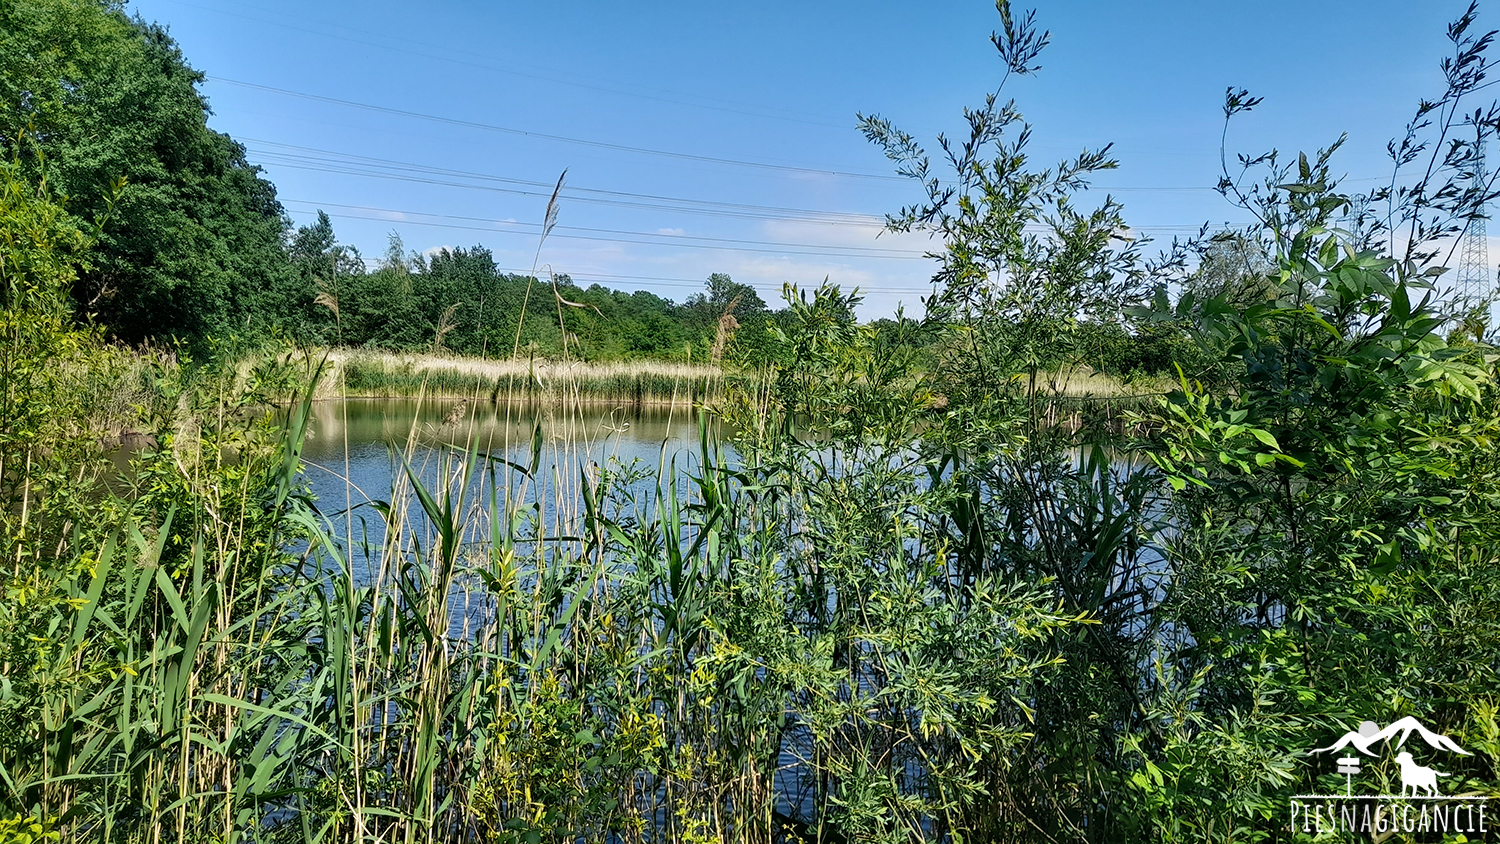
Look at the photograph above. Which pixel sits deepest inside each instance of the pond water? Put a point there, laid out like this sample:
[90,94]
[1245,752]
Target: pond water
[356,452]
[361,440]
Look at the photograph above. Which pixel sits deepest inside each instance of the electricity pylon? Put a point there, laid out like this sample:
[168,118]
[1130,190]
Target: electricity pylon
[1475,282]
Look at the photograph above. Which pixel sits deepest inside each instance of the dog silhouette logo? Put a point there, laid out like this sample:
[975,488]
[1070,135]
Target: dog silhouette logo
[1417,777]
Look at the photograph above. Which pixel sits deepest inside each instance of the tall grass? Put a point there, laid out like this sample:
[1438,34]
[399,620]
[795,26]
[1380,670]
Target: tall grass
[884,620]
[910,609]
[641,383]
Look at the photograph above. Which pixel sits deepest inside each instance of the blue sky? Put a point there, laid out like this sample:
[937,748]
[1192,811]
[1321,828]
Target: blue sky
[523,90]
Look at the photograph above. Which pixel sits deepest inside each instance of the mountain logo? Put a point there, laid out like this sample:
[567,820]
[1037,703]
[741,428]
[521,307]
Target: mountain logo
[1369,733]
[1420,807]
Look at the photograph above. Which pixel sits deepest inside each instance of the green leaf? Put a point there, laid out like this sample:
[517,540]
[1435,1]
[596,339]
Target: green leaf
[1265,438]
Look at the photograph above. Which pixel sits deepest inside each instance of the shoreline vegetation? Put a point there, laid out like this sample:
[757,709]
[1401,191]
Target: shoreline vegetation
[134,389]
[363,373]
[380,374]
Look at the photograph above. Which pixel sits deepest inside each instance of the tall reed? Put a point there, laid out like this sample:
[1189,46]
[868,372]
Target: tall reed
[525,381]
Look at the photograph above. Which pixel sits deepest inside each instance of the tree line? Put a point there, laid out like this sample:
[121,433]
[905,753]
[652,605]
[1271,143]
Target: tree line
[455,300]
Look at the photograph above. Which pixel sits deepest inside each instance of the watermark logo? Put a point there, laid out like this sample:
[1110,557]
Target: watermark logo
[1420,807]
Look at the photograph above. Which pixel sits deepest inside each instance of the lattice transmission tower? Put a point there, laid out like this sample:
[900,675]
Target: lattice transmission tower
[1475,283]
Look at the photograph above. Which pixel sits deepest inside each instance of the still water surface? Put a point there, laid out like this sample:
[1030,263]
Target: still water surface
[356,449]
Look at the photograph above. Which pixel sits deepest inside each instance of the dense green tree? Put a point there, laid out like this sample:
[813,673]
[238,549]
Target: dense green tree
[195,240]
[384,308]
[321,270]
[723,295]
[729,317]
[456,283]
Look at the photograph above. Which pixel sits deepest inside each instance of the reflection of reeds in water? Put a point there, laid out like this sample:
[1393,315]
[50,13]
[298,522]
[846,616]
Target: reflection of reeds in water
[385,375]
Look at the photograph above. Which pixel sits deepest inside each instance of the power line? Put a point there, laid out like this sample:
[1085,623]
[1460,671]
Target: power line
[328,161]
[666,281]
[446,53]
[396,177]
[730,244]
[490,127]
[688,282]
[765,212]
[891,253]
[608,145]
[645,150]
[859,251]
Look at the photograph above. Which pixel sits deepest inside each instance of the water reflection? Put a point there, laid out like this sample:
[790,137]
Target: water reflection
[357,450]
[362,439]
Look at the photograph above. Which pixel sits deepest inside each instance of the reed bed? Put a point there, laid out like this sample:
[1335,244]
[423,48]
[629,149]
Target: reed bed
[528,381]
[513,643]
[1081,381]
